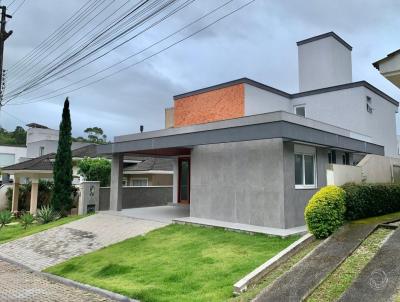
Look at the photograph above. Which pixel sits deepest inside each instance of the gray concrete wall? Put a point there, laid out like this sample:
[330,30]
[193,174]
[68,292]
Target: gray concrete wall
[239,182]
[297,199]
[137,197]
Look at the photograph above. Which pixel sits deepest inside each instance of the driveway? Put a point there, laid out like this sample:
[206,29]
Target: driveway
[59,244]
[18,284]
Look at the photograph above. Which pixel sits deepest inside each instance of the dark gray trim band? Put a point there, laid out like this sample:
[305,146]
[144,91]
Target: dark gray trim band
[347,86]
[288,95]
[278,129]
[323,36]
[232,83]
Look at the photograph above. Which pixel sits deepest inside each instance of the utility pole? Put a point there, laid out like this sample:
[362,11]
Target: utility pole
[4,35]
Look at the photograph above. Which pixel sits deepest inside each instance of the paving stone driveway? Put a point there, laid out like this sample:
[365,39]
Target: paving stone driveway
[58,244]
[18,284]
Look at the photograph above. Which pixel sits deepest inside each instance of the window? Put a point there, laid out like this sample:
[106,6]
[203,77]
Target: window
[300,110]
[332,157]
[369,104]
[6,159]
[305,172]
[346,158]
[139,182]
[41,151]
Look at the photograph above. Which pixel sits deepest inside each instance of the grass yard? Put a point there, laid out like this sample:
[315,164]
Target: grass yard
[15,230]
[337,283]
[255,289]
[175,263]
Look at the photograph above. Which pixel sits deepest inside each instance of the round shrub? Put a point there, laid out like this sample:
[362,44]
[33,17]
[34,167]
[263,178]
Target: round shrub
[325,211]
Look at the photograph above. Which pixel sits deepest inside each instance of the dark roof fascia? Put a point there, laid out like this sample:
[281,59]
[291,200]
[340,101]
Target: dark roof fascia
[326,35]
[288,95]
[232,83]
[376,64]
[276,129]
[347,86]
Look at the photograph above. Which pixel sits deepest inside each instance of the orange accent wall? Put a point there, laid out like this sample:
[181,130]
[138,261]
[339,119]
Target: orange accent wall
[220,104]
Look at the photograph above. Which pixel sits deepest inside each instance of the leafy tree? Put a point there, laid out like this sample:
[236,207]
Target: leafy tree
[19,135]
[62,170]
[96,135]
[16,137]
[96,169]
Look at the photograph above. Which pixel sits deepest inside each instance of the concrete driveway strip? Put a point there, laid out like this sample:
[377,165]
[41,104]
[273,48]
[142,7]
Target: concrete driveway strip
[379,281]
[59,244]
[305,276]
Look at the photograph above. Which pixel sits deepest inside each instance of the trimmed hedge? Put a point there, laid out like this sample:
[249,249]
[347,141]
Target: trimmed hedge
[368,200]
[325,211]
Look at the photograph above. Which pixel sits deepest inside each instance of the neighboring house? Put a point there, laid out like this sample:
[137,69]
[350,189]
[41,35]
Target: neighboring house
[141,172]
[41,140]
[389,67]
[9,155]
[247,153]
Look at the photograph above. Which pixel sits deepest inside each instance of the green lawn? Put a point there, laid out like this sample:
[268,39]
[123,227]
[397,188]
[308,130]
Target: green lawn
[175,263]
[15,231]
[337,283]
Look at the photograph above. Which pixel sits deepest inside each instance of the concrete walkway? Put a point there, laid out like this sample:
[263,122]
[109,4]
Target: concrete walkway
[59,244]
[305,276]
[18,284]
[379,281]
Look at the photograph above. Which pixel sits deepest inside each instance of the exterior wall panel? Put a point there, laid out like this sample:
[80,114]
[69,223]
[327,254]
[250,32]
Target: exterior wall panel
[239,182]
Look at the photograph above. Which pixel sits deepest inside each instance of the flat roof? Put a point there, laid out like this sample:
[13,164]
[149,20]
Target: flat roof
[289,95]
[323,36]
[277,124]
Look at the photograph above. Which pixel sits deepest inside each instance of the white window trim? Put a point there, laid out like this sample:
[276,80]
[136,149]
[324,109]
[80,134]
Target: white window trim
[299,106]
[304,186]
[138,178]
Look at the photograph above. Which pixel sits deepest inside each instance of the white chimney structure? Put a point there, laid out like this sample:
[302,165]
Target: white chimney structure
[324,61]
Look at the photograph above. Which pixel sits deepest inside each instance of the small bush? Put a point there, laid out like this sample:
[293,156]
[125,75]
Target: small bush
[368,200]
[26,220]
[46,214]
[5,218]
[325,211]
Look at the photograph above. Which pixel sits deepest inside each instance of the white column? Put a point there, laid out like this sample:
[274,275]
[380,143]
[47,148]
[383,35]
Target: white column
[34,196]
[116,182]
[14,205]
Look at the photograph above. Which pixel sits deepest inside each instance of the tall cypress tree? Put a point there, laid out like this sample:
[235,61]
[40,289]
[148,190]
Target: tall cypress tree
[62,170]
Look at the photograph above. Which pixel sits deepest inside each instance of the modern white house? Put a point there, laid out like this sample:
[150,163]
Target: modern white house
[251,154]
[389,67]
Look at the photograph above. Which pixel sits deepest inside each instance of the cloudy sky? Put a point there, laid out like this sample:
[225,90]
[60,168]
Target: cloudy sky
[258,42]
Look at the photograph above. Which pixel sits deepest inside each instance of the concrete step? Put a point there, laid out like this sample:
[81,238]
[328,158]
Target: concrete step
[305,276]
[380,278]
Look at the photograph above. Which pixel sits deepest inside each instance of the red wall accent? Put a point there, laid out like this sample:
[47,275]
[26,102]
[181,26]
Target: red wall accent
[220,104]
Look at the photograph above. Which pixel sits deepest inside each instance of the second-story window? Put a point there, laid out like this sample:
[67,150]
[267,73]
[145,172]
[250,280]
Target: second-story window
[41,151]
[300,110]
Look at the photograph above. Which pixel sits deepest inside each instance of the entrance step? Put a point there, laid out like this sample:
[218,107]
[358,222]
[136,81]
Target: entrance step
[304,277]
[380,278]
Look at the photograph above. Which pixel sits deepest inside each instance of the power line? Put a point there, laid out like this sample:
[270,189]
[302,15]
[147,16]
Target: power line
[80,49]
[53,70]
[144,59]
[19,6]
[102,55]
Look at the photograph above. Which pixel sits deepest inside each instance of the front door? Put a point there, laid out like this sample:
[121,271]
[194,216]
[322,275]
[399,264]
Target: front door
[184,180]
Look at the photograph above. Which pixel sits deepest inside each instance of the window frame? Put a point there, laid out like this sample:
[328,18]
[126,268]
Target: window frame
[305,186]
[141,179]
[300,106]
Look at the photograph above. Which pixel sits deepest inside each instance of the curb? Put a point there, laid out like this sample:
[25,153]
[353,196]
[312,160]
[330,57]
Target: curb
[99,291]
[265,268]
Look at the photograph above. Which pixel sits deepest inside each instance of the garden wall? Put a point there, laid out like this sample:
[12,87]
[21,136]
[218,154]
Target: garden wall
[137,197]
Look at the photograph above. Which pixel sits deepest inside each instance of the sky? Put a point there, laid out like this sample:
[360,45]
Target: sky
[258,42]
